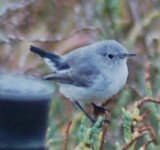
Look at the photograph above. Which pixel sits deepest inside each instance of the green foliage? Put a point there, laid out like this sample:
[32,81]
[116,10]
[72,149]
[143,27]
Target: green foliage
[127,126]
[90,137]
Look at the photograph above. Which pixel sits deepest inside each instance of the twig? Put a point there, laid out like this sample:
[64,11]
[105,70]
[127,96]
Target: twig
[65,144]
[145,146]
[150,129]
[152,133]
[146,100]
[105,129]
[141,131]
[146,114]
[135,10]
[126,147]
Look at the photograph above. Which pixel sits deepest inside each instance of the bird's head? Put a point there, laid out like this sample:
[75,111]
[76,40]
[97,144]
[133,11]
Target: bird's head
[112,52]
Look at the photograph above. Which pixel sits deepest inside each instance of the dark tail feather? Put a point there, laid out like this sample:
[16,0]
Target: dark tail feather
[43,53]
[38,51]
[57,60]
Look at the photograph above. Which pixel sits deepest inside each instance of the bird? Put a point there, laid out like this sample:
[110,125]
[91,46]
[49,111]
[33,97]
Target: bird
[92,73]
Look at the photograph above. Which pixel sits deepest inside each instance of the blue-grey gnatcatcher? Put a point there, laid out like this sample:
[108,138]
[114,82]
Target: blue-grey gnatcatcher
[89,74]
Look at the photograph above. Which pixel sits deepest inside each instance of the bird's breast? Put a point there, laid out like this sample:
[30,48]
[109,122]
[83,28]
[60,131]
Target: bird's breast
[105,86]
[118,80]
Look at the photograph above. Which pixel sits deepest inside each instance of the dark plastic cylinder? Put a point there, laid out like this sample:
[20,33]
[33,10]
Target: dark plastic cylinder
[24,107]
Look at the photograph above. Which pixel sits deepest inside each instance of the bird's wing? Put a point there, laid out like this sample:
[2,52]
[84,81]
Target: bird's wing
[81,76]
[76,68]
[54,61]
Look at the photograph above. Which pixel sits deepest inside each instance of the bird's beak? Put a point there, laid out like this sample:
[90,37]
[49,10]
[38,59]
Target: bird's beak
[127,55]
[130,54]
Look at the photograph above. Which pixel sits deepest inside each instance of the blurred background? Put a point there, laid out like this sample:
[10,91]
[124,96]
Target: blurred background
[63,25]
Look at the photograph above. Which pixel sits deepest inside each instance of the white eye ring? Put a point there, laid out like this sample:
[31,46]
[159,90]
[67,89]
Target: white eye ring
[110,56]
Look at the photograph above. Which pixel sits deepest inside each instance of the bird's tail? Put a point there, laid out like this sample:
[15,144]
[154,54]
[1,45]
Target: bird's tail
[43,53]
[54,61]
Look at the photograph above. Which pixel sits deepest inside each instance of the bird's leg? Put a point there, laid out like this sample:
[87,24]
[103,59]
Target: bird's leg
[100,110]
[81,108]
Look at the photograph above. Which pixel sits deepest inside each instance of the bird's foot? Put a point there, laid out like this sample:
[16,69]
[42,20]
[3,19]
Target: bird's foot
[97,111]
[101,110]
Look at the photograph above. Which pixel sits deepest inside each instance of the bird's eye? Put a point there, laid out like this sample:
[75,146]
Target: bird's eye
[110,56]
